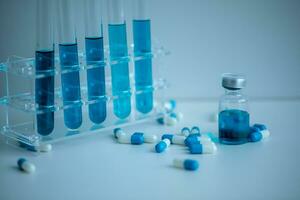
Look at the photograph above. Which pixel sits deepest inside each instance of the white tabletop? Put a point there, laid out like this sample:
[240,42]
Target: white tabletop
[96,167]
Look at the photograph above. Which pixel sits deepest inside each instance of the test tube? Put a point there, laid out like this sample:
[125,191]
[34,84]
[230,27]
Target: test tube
[95,60]
[44,63]
[142,48]
[68,55]
[118,49]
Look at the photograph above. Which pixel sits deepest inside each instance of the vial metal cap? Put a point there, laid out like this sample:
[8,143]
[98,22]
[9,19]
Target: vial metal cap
[233,81]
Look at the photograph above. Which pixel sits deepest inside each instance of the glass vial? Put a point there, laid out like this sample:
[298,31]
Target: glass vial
[234,117]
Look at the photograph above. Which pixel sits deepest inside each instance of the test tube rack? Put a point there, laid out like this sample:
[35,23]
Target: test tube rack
[19,109]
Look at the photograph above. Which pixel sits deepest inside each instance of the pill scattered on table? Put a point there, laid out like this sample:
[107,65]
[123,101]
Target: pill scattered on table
[258,132]
[194,138]
[135,138]
[44,147]
[162,145]
[117,132]
[187,164]
[195,130]
[185,131]
[175,139]
[26,166]
[203,148]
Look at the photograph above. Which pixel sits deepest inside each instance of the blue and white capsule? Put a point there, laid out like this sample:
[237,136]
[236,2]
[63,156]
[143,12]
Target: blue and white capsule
[187,164]
[162,145]
[257,134]
[195,139]
[170,105]
[175,139]
[203,148]
[40,148]
[118,132]
[135,138]
[195,130]
[185,131]
[260,126]
[25,166]
[170,121]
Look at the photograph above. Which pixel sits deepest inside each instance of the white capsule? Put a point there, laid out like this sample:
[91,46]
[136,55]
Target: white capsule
[150,138]
[44,147]
[170,121]
[179,116]
[124,139]
[178,139]
[265,133]
[28,167]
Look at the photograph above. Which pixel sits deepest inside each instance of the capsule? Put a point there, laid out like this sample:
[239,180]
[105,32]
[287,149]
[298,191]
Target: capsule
[175,139]
[150,138]
[258,135]
[170,105]
[260,126]
[118,132]
[40,148]
[185,131]
[203,148]
[162,145]
[170,121]
[136,138]
[194,138]
[195,130]
[187,164]
[26,166]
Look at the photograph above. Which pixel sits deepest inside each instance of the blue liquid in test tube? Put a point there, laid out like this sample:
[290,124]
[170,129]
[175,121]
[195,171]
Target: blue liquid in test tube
[44,91]
[95,61]
[143,67]
[68,54]
[44,66]
[96,78]
[70,81]
[118,49]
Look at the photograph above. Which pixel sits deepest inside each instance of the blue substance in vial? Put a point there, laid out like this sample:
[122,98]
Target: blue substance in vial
[119,71]
[70,82]
[96,78]
[143,67]
[44,91]
[234,126]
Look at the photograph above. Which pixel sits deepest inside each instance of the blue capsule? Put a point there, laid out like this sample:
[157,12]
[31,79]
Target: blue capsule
[187,164]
